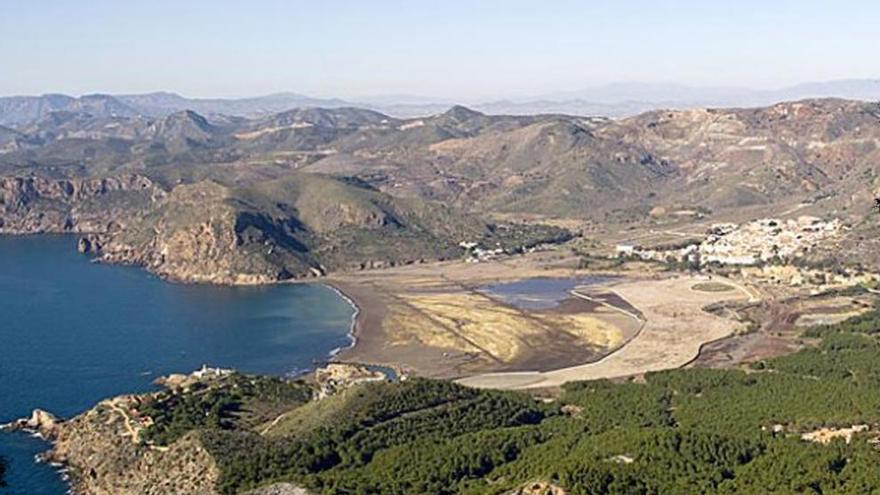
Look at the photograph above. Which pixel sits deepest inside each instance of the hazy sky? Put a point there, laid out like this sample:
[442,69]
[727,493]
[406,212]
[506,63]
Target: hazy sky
[459,49]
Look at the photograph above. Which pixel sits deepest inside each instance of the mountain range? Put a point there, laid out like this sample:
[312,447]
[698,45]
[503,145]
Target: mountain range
[244,200]
[612,100]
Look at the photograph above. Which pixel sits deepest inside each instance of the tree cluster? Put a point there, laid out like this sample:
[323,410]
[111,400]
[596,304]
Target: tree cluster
[735,431]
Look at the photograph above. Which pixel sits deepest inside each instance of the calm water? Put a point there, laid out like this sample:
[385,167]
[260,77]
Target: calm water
[73,332]
[538,293]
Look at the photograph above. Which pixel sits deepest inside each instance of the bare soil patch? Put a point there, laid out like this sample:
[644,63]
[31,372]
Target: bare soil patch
[432,320]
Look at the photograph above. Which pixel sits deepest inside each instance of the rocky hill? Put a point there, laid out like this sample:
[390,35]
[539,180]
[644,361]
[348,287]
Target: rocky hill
[731,158]
[299,226]
[23,109]
[77,205]
[427,183]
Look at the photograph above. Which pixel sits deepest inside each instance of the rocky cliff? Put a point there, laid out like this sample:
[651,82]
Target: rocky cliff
[35,204]
[107,450]
[105,456]
[208,231]
[298,227]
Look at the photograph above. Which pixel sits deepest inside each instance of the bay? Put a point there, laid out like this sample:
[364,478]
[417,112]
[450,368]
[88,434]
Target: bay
[73,332]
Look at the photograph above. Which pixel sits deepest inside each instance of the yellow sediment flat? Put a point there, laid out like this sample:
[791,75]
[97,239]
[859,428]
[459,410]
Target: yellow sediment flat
[675,329]
[469,322]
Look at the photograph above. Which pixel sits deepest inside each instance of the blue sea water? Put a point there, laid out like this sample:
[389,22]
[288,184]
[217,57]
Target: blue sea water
[73,332]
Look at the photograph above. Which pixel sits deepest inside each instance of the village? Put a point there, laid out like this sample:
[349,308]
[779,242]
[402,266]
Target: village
[769,249]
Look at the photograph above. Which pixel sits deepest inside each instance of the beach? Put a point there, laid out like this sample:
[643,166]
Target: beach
[442,320]
[457,320]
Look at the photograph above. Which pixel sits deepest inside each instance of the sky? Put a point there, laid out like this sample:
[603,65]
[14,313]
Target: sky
[465,50]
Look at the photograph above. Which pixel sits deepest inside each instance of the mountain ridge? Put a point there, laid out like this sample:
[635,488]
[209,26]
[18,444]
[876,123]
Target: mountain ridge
[417,178]
[613,100]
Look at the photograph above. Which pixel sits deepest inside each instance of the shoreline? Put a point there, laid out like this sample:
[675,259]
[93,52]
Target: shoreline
[365,330]
[352,329]
[61,469]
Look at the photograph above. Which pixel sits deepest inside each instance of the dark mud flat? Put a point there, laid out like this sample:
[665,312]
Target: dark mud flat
[777,335]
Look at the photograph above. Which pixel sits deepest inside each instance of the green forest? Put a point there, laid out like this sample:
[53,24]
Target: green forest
[681,431]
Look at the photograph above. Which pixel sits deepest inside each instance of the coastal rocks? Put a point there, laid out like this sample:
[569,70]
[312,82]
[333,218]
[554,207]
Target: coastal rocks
[199,234]
[90,244]
[40,421]
[336,377]
[104,458]
[279,489]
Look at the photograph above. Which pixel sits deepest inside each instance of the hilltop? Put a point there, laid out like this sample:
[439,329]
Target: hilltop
[429,183]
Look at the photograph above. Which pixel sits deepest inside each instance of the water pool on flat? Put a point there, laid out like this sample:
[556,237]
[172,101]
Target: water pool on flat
[539,293]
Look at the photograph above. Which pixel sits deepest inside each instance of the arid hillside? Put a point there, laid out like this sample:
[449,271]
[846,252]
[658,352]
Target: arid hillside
[320,189]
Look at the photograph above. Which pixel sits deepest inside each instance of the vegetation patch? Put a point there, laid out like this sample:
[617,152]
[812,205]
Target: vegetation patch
[235,401]
[712,287]
[679,431]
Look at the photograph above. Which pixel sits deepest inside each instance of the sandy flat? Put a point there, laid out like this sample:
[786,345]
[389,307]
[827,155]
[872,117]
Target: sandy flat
[674,330]
[431,320]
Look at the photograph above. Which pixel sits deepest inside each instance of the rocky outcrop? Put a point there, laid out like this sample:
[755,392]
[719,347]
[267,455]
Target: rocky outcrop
[279,489]
[297,228]
[35,204]
[90,244]
[40,421]
[103,456]
[539,488]
[198,234]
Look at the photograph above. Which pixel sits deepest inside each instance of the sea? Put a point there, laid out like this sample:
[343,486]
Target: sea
[73,332]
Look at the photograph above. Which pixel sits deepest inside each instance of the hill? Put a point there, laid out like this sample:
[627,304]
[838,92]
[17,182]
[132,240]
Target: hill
[817,155]
[303,225]
[618,100]
[16,110]
[679,431]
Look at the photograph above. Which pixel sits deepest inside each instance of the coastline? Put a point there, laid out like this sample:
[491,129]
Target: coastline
[366,333]
[352,329]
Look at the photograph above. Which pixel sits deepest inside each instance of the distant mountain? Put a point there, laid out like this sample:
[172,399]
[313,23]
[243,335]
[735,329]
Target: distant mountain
[611,100]
[163,103]
[617,93]
[16,110]
[22,110]
[9,139]
[183,130]
[283,179]
[853,89]
[627,99]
